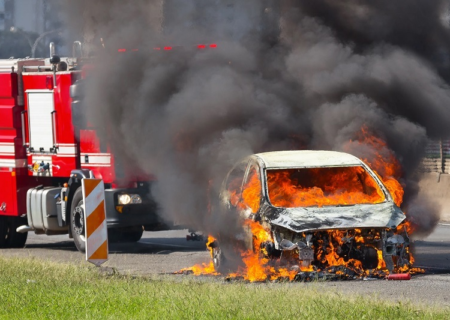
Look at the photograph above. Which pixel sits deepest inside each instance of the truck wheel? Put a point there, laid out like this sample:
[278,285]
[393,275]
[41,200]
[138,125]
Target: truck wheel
[16,239]
[114,235]
[77,221]
[132,236]
[3,231]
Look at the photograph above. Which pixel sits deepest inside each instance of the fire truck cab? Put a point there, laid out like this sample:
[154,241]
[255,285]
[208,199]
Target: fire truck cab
[46,151]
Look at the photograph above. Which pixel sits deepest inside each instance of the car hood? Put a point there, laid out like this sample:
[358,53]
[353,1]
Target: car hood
[383,215]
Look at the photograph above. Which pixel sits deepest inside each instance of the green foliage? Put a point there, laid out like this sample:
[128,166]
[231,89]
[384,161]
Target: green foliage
[32,289]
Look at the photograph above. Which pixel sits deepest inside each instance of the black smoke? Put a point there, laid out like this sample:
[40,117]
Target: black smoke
[285,75]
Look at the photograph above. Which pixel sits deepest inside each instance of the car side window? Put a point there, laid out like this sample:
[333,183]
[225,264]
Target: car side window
[234,183]
[251,194]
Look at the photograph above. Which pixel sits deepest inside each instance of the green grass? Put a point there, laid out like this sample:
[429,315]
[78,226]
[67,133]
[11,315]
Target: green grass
[33,289]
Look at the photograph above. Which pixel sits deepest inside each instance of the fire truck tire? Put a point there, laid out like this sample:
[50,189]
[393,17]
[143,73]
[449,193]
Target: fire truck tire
[77,221]
[14,238]
[114,235]
[132,236]
[3,231]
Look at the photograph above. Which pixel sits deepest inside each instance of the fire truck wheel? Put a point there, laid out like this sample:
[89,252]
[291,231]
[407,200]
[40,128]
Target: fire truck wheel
[3,231]
[14,238]
[114,235]
[132,236]
[77,221]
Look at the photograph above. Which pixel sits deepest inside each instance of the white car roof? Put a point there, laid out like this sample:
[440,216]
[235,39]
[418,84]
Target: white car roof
[307,159]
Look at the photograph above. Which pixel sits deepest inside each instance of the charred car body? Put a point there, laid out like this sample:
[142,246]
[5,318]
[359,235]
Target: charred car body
[321,209]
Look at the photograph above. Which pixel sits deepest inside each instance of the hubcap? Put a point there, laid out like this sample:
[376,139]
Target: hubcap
[78,220]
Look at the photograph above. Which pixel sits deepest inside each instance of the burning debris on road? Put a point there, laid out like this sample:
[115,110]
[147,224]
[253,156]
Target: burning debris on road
[331,255]
[335,257]
[314,215]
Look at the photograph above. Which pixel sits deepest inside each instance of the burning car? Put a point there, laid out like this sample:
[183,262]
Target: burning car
[313,210]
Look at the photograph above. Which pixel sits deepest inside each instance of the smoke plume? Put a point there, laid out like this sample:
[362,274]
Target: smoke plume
[285,75]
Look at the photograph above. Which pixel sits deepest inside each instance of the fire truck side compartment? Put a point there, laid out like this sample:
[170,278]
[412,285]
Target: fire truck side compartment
[12,156]
[40,108]
[56,112]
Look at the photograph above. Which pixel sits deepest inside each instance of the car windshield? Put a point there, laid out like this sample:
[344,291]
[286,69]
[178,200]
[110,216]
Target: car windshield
[290,188]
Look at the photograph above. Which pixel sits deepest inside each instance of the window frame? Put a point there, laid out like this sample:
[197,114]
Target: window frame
[257,166]
[387,196]
[227,180]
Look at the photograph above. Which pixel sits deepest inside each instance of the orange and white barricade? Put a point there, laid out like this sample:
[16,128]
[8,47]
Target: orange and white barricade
[95,221]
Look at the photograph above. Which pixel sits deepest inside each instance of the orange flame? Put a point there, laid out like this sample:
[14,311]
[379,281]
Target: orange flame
[257,264]
[322,187]
[382,161]
[201,269]
[329,186]
[251,193]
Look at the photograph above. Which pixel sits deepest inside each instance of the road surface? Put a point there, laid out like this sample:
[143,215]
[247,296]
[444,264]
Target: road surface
[168,251]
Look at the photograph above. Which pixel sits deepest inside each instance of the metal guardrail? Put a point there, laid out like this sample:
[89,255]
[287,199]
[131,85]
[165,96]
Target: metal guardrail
[437,157]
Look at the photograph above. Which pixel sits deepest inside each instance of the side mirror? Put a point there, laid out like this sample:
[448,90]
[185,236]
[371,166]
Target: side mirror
[78,113]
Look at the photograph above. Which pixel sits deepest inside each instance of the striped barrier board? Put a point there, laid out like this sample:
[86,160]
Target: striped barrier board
[95,221]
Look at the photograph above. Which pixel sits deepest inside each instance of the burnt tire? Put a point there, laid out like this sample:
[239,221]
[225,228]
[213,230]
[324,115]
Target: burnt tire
[16,239]
[77,221]
[219,260]
[132,236]
[403,260]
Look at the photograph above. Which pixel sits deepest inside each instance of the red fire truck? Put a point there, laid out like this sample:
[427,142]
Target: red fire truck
[46,151]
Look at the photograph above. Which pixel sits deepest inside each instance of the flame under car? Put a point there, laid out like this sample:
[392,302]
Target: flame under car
[321,209]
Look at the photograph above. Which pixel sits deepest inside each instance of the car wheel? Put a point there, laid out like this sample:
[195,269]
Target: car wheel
[218,259]
[16,239]
[77,221]
[403,260]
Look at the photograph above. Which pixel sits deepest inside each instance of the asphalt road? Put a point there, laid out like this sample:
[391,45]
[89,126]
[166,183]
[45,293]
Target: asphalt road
[156,252]
[433,252]
[168,251]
